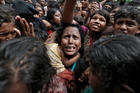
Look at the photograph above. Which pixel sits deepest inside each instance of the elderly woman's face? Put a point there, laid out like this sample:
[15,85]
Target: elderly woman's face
[71,41]
[7,31]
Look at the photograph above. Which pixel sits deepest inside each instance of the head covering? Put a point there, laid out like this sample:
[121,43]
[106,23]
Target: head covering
[24,8]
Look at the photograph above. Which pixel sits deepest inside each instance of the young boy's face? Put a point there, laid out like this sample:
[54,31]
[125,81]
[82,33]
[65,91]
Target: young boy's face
[126,25]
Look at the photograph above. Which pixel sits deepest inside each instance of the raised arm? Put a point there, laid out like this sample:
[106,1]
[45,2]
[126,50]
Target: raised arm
[67,15]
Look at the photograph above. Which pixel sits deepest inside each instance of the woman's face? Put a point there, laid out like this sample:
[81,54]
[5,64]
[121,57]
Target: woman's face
[57,17]
[41,13]
[97,23]
[71,41]
[7,31]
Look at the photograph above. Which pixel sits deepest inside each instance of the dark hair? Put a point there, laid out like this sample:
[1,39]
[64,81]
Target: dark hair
[134,3]
[60,32]
[24,59]
[40,29]
[128,12]
[103,13]
[60,2]
[79,19]
[98,1]
[41,34]
[116,60]
[115,5]
[53,4]
[110,3]
[7,14]
[24,9]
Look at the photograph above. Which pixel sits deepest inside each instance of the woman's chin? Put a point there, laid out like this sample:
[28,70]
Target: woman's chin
[70,54]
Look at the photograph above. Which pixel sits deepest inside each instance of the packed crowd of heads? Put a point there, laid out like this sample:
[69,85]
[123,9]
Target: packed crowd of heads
[69,46]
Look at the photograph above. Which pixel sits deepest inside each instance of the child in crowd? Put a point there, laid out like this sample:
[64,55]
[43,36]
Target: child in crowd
[114,62]
[127,20]
[24,66]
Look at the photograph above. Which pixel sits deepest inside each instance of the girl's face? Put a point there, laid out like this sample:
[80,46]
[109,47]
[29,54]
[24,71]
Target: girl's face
[41,13]
[97,23]
[71,41]
[57,17]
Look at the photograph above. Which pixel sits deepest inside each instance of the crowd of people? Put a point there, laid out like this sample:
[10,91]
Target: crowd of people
[69,46]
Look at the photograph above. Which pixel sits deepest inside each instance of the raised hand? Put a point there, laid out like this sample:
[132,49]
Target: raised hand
[27,29]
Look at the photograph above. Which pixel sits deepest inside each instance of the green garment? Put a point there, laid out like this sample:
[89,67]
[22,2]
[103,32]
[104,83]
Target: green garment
[88,90]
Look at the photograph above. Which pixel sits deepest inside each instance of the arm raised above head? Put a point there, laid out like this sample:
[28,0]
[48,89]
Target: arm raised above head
[67,15]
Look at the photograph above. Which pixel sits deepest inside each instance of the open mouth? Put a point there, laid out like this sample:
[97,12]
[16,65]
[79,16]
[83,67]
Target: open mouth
[69,48]
[95,26]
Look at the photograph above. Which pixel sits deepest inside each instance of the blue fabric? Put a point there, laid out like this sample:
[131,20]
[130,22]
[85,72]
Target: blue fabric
[73,67]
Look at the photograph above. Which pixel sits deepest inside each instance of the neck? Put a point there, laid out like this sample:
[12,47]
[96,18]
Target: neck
[70,56]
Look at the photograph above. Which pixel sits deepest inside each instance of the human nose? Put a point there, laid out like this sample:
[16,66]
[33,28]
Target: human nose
[96,20]
[70,40]
[123,27]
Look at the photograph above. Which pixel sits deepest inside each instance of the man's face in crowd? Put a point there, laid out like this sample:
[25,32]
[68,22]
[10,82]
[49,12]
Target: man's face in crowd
[84,3]
[126,25]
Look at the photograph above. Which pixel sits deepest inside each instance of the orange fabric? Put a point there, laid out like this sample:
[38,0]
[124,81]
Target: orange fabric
[68,77]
